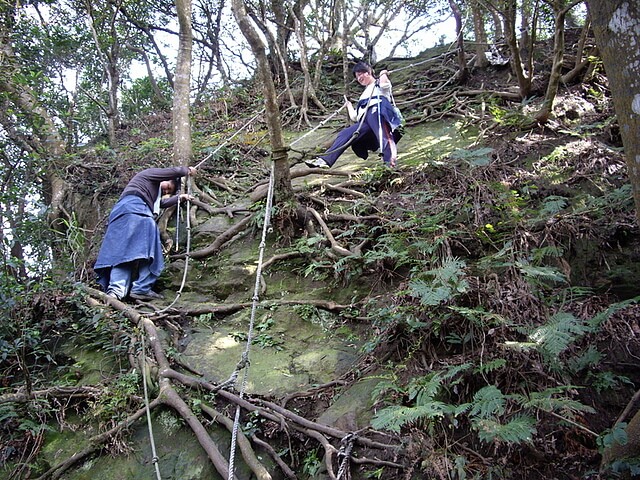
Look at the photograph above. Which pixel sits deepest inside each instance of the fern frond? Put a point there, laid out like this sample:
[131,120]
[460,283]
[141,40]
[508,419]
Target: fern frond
[488,402]
[395,417]
[602,317]
[590,357]
[424,389]
[491,366]
[554,400]
[429,295]
[518,430]
[454,371]
[548,274]
[558,333]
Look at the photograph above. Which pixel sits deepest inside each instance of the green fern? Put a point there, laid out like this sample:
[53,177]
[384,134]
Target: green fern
[554,400]
[551,205]
[424,389]
[587,359]
[540,273]
[490,366]
[488,402]
[518,430]
[441,284]
[395,417]
[557,334]
[602,317]
[480,317]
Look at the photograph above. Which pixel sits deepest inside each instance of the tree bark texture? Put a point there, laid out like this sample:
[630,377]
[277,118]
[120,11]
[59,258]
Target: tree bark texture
[616,25]
[181,124]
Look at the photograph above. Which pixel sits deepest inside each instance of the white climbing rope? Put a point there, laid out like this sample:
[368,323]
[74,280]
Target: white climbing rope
[154,454]
[230,138]
[255,300]
[319,125]
[187,251]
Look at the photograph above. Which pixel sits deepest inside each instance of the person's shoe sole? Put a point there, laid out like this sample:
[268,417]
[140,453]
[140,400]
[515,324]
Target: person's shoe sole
[310,164]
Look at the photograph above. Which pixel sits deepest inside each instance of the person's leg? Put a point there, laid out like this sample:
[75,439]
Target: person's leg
[340,144]
[120,280]
[386,144]
[146,279]
[390,154]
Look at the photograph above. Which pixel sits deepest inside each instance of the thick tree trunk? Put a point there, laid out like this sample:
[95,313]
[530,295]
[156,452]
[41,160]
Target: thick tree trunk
[616,25]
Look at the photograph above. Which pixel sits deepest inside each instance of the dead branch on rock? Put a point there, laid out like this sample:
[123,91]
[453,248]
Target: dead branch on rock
[23,396]
[335,246]
[219,241]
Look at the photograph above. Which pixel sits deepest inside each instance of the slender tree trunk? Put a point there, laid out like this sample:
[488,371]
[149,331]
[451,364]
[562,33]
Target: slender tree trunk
[182,147]
[463,71]
[558,59]
[282,180]
[480,34]
[616,25]
[524,81]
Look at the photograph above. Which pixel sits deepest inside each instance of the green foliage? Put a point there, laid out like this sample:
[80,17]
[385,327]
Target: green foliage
[262,338]
[440,285]
[488,402]
[555,336]
[629,466]
[508,117]
[311,464]
[551,205]
[487,411]
[612,436]
[140,99]
[517,430]
[392,249]
[603,381]
[553,400]
[154,145]
[115,401]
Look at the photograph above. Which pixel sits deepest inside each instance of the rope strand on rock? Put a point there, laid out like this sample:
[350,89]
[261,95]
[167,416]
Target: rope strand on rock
[154,454]
[254,306]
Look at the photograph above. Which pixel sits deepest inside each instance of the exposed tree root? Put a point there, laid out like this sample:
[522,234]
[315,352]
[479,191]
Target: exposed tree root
[167,378]
[22,396]
[246,449]
[96,443]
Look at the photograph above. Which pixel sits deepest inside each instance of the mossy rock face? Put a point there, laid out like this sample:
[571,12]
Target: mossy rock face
[179,455]
[287,354]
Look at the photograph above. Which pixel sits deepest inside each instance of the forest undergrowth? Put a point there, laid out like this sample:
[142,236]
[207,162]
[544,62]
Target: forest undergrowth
[503,324]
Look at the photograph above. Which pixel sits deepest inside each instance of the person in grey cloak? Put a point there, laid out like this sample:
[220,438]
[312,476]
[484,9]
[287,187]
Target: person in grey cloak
[132,240]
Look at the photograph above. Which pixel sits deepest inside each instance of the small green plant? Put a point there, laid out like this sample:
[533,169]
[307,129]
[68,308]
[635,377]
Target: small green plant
[311,464]
[170,422]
